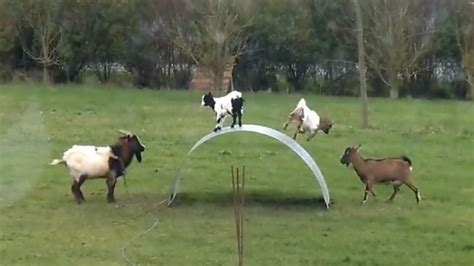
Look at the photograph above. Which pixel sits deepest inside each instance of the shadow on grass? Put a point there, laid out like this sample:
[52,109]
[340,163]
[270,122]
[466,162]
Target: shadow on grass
[263,198]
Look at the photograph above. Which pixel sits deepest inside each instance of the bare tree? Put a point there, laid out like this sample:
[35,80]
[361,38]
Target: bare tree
[7,42]
[397,35]
[214,40]
[41,18]
[362,65]
[465,41]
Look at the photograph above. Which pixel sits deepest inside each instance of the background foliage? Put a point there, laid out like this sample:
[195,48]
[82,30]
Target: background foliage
[414,49]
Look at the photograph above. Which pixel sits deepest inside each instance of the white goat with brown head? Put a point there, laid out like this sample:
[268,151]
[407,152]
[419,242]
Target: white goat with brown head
[92,162]
[395,170]
[307,121]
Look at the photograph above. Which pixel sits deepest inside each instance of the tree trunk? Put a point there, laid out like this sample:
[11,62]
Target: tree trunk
[393,81]
[469,54]
[470,90]
[393,90]
[362,66]
[45,74]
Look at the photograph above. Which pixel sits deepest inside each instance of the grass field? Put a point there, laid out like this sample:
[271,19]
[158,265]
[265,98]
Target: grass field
[285,222]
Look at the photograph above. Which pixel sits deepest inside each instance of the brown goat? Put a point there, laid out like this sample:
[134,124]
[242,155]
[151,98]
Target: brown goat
[394,170]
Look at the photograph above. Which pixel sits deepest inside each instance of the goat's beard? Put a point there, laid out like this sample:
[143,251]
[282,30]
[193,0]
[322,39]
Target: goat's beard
[345,163]
[139,156]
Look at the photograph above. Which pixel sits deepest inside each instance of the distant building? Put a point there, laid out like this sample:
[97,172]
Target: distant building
[202,81]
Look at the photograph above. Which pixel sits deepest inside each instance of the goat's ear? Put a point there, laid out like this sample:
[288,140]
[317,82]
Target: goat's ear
[358,147]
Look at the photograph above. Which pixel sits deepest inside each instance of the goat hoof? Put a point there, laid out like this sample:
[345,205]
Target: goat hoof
[110,200]
[232,126]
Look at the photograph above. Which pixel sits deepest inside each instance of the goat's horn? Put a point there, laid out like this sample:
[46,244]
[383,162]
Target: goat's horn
[124,132]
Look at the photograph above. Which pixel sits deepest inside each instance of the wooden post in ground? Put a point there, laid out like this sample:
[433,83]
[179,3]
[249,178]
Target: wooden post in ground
[238,187]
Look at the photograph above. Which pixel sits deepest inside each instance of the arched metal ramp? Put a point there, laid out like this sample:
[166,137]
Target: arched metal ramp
[291,143]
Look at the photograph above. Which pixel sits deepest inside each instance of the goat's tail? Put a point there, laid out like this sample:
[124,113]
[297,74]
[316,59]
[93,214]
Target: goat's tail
[406,159]
[301,103]
[57,161]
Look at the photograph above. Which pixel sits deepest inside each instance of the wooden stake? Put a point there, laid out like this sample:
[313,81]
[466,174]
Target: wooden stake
[238,186]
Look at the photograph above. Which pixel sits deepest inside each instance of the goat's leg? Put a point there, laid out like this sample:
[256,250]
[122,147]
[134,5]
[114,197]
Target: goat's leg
[296,133]
[218,124]
[288,121]
[372,193]
[298,130]
[82,178]
[299,127]
[239,114]
[234,116]
[368,188]
[396,189]
[76,195]
[412,186]
[76,188]
[110,188]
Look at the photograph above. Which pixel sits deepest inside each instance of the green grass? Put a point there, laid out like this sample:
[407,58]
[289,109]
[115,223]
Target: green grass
[285,223]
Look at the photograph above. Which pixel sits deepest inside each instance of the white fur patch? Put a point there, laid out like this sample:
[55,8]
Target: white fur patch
[223,105]
[310,118]
[89,160]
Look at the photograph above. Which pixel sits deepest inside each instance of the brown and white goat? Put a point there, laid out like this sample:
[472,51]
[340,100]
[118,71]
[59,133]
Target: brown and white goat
[109,162]
[394,170]
[307,121]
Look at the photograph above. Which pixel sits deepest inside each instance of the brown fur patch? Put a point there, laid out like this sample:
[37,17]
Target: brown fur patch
[325,125]
[116,166]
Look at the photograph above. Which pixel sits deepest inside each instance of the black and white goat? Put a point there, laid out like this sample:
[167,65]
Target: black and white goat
[92,162]
[230,104]
[307,121]
[395,170]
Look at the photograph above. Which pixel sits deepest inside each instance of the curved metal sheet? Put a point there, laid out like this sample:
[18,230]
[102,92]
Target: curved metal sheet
[291,143]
